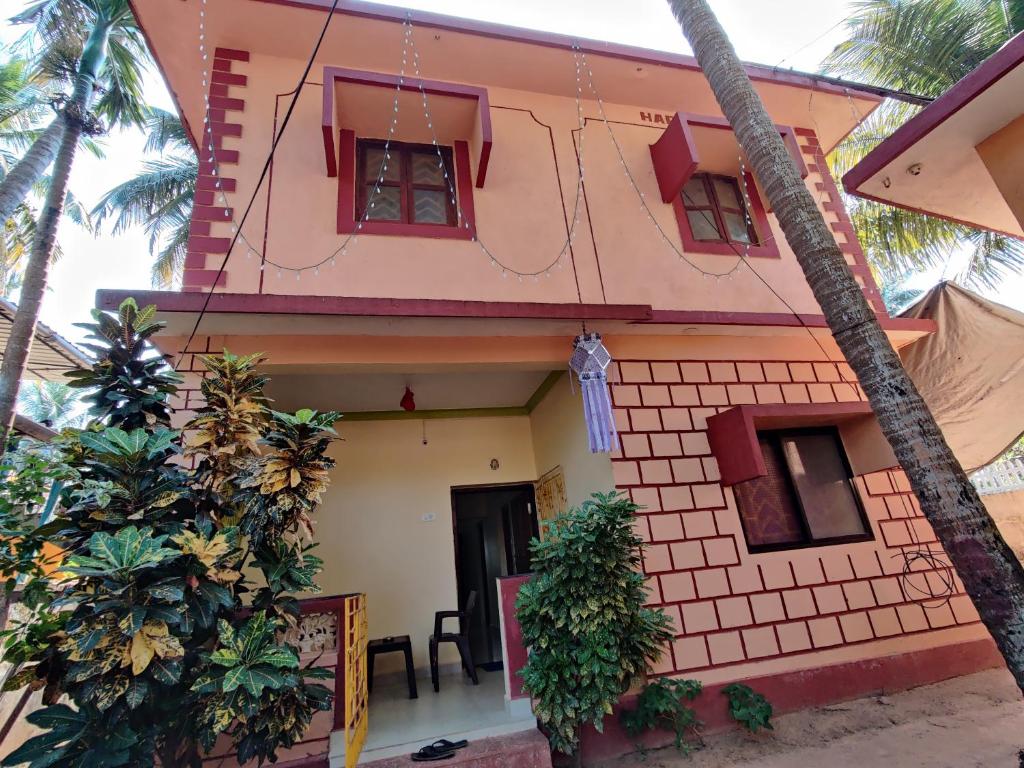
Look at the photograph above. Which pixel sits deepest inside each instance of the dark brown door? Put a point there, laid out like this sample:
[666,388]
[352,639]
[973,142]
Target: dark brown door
[493,528]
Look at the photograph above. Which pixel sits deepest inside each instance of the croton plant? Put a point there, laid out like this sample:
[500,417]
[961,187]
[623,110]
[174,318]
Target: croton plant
[182,552]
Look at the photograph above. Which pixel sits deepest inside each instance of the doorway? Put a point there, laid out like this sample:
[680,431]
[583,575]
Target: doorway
[493,526]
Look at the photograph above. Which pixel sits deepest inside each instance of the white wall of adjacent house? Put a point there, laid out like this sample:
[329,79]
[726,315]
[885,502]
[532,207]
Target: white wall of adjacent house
[385,526]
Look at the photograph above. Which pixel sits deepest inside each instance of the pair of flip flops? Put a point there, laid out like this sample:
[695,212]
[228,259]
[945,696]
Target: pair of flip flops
[442,749]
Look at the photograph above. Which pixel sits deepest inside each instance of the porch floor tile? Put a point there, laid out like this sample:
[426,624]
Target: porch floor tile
[399,725]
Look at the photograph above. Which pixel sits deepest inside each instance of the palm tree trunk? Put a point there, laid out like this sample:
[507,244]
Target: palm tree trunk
[27,171]
[19,343]
[992,575]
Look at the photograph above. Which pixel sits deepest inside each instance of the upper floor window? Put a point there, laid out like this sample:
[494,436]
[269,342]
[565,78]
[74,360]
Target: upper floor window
[715,210]
[807,496]
[414,183]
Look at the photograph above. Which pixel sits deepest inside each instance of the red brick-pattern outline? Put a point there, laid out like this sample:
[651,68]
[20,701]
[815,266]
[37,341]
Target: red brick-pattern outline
[200,272]
[730,607]
[850,246]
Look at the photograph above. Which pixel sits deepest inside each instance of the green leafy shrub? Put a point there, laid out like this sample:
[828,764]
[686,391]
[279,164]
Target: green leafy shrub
[157,633]
[660,705]
[748,707]
[583,618]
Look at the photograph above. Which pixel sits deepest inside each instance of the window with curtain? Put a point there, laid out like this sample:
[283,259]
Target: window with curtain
[414,183]
[806,498]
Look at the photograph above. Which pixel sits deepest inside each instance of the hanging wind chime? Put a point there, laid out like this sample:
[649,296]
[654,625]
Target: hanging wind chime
[590,360]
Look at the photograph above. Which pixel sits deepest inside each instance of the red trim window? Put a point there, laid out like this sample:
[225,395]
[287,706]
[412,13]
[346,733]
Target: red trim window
[806,498]
[414,184]
[713,217]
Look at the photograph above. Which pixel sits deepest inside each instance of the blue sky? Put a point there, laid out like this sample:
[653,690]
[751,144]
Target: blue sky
[790,33]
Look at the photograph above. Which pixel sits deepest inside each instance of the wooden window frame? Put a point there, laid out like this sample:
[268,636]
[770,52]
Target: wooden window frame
[807,541]
[717,208]
[402,153]
[352,193]
[764,245]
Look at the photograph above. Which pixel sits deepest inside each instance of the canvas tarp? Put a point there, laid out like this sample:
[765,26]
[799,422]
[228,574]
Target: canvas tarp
[970,371]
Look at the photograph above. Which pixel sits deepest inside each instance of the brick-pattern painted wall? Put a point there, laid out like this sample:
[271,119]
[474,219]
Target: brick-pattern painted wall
[206,245]
[729,607]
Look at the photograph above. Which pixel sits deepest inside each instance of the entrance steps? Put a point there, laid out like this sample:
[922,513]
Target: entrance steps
[525,749]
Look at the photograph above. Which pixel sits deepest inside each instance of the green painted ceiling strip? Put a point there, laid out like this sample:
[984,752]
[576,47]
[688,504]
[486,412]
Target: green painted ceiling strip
[441,413]
[461,413]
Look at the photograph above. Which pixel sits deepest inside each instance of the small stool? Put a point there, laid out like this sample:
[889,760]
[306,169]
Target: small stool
[391,645]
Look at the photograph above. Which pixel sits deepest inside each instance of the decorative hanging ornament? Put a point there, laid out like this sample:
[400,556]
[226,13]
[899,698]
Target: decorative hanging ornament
[590,360]
[408,402]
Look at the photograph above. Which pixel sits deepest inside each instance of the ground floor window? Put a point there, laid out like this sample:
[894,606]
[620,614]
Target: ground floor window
[806,498]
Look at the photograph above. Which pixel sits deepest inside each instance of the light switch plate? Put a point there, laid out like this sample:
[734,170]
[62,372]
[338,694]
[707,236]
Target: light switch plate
[428,517]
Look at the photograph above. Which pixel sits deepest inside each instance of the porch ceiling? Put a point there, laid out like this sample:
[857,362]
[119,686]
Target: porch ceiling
[361,392]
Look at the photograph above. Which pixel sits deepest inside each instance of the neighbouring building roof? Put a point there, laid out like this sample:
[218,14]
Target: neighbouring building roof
[970,371]
[931,164]
[51,356]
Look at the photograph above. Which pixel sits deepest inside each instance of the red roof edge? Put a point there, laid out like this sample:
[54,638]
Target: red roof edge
[931,117]
[347,306]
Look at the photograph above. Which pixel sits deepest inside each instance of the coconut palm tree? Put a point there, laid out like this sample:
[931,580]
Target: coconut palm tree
[159,198]
[51,403]
[61,24]
[25,107]
[922,47]
[992,574]
[59,30]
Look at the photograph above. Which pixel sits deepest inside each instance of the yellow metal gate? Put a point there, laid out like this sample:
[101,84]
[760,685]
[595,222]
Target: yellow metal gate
[356,709]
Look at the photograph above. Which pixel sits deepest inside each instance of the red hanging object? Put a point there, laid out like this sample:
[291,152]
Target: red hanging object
[408,402]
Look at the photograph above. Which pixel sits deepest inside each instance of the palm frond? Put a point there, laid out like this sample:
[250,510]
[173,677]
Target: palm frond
[993,257]
[53,403]
[164,130]
[136,201]
[922,46]
[170,260]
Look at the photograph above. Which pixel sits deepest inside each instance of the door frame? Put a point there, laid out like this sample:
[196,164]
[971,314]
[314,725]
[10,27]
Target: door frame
[455,489]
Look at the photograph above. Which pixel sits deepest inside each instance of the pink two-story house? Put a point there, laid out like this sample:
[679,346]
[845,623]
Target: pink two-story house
[451,203]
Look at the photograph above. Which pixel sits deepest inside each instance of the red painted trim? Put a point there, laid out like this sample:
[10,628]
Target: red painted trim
[231,53]
[756,72]
[769,250]
[204,277]
[347,222]
[346,173]
[209,244]
[335,605]
[676,156]
[515,651]
[733,433]
[226,78]
[266,303]
[698,317]
[248,303]
[976,82]
[383,80]
[816,686]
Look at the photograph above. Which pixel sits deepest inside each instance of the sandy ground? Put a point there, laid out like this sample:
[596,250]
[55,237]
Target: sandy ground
[976,720]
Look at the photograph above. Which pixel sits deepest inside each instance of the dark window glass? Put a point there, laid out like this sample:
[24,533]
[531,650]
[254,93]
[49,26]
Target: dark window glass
[414,183]
[715,210]
[806,497]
